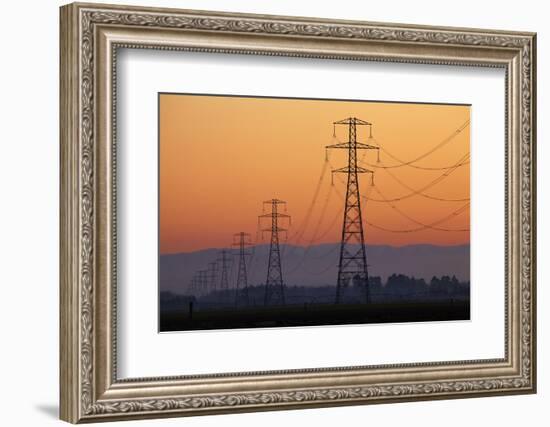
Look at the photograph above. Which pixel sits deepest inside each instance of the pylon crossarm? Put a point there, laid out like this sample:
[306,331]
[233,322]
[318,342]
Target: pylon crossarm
[345,145]
[340,170]
[363,170]
[346,169]
[275,202]
[351,120]
[274,215]
[358,145]
[361,146]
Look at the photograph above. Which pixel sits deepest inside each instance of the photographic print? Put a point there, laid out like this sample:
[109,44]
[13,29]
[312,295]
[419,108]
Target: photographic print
[278,212]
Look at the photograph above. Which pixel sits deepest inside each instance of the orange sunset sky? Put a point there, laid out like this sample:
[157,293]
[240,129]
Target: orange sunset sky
[221,157]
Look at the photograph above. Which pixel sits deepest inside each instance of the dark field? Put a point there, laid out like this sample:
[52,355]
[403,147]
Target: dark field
[314,314]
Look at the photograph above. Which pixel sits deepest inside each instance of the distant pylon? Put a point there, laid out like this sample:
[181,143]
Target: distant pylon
[352,266]
[224,260]
[203,282]
[241,288]
[193,286]
[274,284]
[212,275]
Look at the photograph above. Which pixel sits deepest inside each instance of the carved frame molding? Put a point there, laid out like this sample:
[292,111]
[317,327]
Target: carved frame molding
[90,37]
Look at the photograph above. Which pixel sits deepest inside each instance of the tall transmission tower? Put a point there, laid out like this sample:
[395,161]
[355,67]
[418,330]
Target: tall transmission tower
[241,288]
[225,261]
[274,285]
[212,275]
[352,266]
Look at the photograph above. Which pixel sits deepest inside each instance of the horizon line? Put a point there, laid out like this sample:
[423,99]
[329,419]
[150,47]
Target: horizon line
[310,246]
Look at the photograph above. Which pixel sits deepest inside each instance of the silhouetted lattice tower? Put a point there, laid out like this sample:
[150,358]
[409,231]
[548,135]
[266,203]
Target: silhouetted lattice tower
[225,264]
[198,290]
[193,286]
[274,284]
[241,288]
[213,275]
[203,282]
[352,266]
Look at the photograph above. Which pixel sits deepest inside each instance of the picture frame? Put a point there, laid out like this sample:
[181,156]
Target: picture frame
[91,36]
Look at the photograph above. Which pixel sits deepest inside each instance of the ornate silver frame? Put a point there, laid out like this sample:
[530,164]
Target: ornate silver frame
[90,36]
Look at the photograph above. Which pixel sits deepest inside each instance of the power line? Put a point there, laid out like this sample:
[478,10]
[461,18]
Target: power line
[420,192]
[317,237]
[333,221]
[431,226]
[315,231]
[324,270]
[423,225]
[321,217]
[411,162]
[331,224]
[302,229]
[414,230]
[438,168]
[437,147]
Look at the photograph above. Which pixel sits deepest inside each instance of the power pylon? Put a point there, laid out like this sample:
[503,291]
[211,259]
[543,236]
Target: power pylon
[193,286]
[274,284]
[353,257]
[203,282]
[241,288]
[213,275]
[224,260]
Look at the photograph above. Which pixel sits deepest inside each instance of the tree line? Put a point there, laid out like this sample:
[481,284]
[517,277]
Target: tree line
[397,287]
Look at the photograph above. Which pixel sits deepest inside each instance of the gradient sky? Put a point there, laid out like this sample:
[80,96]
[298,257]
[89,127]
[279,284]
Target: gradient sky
[221,157]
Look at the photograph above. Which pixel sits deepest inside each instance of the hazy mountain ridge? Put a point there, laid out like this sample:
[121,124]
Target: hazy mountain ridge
[318,265]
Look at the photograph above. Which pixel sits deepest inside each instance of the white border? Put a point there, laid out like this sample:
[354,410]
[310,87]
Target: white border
[142,352]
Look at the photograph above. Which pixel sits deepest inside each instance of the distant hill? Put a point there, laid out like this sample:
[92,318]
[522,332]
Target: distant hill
[318,265]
